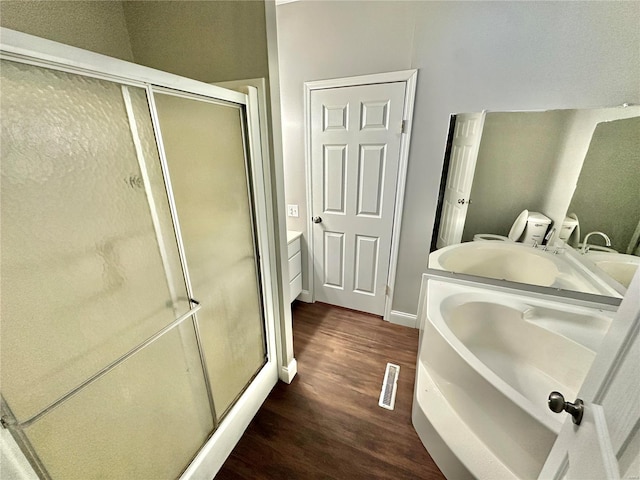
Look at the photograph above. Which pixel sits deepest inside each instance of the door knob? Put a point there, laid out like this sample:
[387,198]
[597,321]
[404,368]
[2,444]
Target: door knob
[317,219]
[462,201]
[557,404]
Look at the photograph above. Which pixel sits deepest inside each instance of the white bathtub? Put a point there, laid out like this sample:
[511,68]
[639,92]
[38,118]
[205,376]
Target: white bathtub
[488,359]
[519,263]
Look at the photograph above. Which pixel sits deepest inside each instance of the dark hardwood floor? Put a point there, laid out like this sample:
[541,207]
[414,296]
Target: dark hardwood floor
[327,424]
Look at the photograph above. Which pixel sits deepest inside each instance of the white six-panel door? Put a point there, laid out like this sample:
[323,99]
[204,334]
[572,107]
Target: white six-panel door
[464,153]
[355,150]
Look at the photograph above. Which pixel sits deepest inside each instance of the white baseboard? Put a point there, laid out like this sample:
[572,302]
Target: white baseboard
[305,296]
[401,318]
[215,451]
[287,373]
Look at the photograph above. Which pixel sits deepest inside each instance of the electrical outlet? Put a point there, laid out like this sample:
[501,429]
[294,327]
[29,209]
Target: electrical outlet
[292,210]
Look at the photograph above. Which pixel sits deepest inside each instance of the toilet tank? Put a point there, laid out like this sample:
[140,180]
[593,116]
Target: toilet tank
[537,226]
[568,226]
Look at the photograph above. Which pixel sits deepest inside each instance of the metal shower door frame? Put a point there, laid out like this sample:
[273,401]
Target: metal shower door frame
[23,48]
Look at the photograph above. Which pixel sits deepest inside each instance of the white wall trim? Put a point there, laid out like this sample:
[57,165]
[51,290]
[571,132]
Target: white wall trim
[409,102]
[305,296]
[309,182]
[386,77]
[285,324]
[213,454]
[287,373]
[402,318]
[410,77]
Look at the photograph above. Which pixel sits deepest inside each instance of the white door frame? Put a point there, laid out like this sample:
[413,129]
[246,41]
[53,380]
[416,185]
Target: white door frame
[410,77]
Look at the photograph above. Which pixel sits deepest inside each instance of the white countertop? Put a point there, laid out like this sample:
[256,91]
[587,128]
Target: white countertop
[292,235]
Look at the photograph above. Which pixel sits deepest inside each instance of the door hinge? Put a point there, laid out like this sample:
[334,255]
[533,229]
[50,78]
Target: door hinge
[403,128]
[387,290]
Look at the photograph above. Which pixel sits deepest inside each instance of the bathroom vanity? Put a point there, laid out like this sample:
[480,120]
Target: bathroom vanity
[294,250]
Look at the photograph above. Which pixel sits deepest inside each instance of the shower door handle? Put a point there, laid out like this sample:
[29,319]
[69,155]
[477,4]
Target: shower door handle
[557,404]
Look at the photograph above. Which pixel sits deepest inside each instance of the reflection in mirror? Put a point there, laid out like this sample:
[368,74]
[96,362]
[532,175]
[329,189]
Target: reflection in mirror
[606,197]
[548,198]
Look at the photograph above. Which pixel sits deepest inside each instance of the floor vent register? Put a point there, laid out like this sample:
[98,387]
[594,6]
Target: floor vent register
[389,387]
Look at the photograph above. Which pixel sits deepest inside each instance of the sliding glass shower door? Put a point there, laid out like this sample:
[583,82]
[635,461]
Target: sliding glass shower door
[204,146]
[131,318]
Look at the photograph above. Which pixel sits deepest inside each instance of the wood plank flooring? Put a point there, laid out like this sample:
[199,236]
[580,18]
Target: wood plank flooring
[327,424]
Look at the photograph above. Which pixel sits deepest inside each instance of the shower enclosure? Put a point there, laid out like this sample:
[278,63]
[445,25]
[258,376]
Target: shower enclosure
[137,298]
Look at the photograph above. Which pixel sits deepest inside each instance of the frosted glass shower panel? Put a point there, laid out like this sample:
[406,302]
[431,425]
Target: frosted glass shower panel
[204,145]
[90,266]
[145,419]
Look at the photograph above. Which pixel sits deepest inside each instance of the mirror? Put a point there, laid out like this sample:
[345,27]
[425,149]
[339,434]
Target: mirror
[522,194]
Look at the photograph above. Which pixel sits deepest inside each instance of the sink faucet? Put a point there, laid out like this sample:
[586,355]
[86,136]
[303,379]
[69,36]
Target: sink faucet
[585,245]
[547,238]
[550,234]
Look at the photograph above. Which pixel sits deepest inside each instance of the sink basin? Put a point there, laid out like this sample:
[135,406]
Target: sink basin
[619,266]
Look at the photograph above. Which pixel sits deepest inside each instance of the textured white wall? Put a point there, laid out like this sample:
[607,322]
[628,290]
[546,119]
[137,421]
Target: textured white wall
[98,26]
[572,154]
[208,41]
[472,56]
